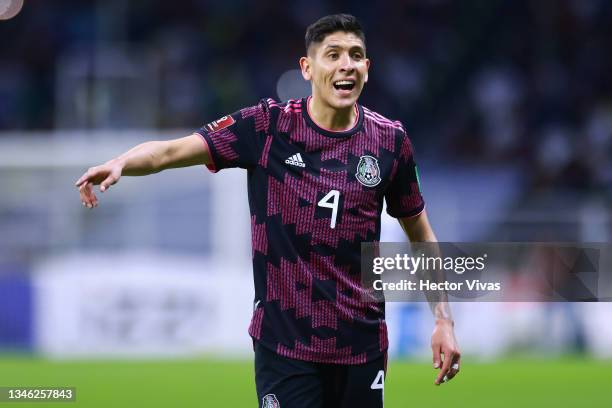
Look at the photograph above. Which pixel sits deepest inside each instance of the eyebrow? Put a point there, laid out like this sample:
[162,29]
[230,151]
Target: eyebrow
[337,46]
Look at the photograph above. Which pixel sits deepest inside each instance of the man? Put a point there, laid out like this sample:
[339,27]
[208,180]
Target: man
[319,169]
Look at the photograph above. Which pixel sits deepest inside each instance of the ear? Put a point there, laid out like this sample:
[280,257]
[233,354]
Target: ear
[305,67]
[367,61]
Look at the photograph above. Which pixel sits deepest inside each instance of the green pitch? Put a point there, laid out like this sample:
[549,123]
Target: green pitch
[568,382]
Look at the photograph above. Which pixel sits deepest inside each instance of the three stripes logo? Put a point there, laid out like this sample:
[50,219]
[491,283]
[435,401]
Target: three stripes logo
[296,160]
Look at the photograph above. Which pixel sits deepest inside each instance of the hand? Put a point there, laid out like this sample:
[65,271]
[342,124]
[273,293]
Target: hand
[443,342]
[105,175]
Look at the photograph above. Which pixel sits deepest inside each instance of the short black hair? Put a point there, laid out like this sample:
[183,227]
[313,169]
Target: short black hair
[324,26]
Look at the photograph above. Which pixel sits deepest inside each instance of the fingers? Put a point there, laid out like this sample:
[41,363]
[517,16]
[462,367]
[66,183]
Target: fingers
[437,359]
[103,175]
[85,177]
[88,198]
[450,366]
[446,364]
[80,180]
[437,363]
[455,366]
[110,180]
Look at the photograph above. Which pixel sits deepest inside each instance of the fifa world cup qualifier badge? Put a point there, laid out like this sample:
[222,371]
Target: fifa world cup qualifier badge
[368,172]
[270,401]
[219,124]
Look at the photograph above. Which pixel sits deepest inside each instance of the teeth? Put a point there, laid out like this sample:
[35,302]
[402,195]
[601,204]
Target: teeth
[343,83]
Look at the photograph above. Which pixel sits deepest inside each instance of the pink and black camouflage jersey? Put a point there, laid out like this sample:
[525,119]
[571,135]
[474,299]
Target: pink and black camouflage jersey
[315,195]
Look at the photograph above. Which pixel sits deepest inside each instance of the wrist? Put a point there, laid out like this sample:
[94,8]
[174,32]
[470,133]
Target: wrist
[117,162]
[445,322]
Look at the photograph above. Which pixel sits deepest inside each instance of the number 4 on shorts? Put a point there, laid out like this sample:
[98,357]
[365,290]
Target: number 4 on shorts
[379,383]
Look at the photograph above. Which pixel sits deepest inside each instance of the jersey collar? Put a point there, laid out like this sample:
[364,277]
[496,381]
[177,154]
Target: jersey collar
[332,133]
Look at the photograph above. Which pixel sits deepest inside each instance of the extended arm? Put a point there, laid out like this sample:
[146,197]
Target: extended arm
[146,158]
[443,340]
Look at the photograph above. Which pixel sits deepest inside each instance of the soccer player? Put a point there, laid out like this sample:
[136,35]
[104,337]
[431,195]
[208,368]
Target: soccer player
[318,171]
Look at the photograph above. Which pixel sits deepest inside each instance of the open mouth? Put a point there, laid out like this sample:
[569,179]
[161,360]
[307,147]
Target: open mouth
[344,85]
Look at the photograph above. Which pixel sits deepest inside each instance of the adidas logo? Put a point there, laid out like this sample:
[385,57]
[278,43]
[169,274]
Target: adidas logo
[296,160]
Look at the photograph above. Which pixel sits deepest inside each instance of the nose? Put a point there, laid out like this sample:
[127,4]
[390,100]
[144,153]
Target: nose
[346,63]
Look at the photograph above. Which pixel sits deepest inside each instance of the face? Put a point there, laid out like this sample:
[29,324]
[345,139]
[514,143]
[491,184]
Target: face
[337,68]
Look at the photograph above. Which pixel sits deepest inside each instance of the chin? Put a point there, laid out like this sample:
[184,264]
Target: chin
[343,103]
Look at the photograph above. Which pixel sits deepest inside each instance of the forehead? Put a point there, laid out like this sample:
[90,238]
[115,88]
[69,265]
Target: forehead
[340,39]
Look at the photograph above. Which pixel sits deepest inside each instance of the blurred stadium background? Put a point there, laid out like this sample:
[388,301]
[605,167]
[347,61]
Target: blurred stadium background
[146,300]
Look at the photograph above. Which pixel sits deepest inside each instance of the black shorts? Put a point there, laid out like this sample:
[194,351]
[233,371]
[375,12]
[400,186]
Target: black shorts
[287,383]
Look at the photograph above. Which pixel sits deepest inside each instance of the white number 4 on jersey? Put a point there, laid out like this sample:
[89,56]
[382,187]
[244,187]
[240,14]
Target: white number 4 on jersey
[331,200]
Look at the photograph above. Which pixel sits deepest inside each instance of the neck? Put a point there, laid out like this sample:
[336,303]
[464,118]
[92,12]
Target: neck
[329,117]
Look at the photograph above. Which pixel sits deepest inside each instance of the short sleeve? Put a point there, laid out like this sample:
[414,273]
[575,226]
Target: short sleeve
[237,140]
[403,196]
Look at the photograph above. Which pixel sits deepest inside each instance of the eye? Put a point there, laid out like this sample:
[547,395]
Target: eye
[357,56]
[333,55]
